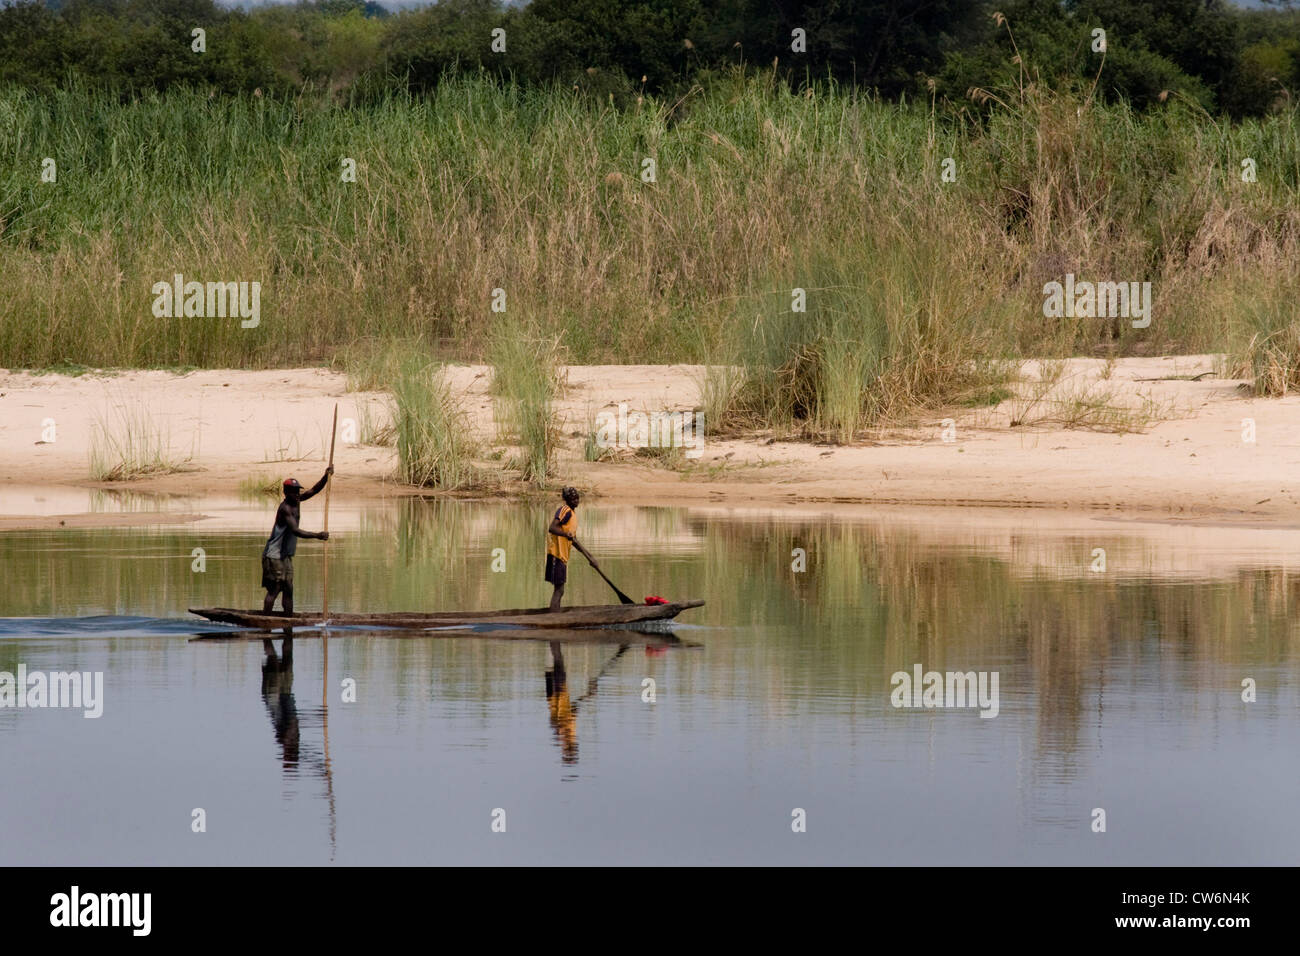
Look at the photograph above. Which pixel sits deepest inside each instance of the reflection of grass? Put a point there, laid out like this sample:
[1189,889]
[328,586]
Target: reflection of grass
[121,501]
[126,443]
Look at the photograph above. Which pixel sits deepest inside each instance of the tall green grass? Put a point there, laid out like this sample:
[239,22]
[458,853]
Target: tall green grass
[525,378]
[484,186]
[434,444]
[886,328]
[1270,356]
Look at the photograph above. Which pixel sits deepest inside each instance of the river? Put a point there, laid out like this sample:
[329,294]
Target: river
[764,729]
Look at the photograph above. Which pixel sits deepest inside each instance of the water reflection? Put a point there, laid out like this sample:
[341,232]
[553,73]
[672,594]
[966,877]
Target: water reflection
[564,710]
[1120,689]
[277,693]
[277,696]
[564,718]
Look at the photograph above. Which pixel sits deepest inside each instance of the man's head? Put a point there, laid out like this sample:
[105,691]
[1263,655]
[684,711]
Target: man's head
[570,496]
[292,489]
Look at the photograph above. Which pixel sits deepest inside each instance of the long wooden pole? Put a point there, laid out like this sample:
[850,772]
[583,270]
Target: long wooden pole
[325,721]
[328,485]
[325,643]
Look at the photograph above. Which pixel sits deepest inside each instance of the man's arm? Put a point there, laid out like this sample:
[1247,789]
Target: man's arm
[319,486]
[291,523]
[559,532]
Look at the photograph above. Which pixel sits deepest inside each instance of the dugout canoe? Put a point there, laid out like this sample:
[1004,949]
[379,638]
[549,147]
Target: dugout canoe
[594,615]
[650,634]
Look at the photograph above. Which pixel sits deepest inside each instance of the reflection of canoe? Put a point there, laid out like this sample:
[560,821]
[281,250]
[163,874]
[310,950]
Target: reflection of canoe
[632,634]
[596,615]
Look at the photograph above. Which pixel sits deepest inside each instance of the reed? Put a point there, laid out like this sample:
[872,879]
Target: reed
[869,345]
[434,447]
[485,185]
[373,428]
[525,377]
[1268,333]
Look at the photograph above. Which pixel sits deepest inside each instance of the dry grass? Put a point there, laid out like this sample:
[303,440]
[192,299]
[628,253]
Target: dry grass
[760,190]
[127,442]
[1080,401]
[434,444]
[260,486]
[526,380]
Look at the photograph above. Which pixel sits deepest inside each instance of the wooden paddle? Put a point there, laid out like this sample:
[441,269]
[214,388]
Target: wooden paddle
[621,596]
[325,605]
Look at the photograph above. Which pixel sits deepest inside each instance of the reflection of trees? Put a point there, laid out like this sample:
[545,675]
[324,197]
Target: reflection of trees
[878,598]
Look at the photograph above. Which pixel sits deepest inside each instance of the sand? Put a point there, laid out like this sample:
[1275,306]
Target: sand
[1189,462]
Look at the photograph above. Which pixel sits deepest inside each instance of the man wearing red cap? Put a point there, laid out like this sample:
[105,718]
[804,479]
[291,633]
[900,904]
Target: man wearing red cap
[277,556]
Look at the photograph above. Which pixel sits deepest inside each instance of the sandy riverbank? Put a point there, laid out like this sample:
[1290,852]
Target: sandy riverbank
[1189,462]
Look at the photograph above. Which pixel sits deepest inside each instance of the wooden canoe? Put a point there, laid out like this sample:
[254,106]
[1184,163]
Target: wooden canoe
[595,615]
[640,635]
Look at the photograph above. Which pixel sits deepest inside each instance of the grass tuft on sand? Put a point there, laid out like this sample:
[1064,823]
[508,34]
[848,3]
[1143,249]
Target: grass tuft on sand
[434,444]
[127,442]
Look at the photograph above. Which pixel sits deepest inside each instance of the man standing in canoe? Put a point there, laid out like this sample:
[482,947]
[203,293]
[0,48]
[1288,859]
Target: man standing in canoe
[277,556]
[559,537]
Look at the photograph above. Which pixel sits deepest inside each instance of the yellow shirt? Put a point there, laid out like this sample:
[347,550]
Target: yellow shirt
[557,546]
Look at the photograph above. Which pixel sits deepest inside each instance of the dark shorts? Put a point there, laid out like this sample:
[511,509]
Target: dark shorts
[557,571]
[277,573]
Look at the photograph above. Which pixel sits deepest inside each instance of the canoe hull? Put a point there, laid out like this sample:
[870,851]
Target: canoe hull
[649,634]
[596,615]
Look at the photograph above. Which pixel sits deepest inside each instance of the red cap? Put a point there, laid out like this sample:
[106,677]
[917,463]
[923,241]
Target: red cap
[291,483]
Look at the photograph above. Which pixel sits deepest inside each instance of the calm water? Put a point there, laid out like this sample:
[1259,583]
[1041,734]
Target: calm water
[1118,690]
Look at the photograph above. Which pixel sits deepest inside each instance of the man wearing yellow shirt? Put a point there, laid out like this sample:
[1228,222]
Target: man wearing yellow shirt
[559,537]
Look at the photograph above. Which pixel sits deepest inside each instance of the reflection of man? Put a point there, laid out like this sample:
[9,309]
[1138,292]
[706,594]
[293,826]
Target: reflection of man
[563,719]
[277,692]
